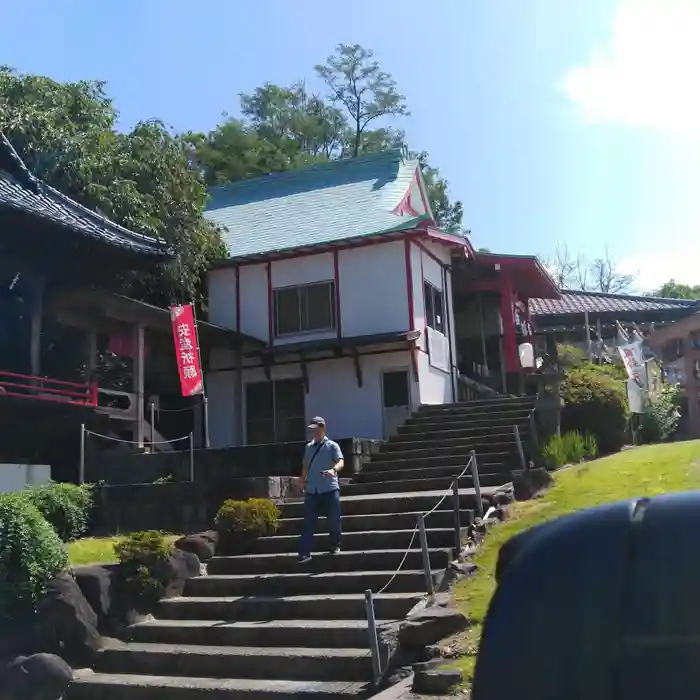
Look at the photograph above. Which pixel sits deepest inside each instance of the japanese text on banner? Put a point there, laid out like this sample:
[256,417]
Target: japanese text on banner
[186,350]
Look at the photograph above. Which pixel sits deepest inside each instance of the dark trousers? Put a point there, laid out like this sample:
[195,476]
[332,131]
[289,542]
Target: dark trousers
[315,504]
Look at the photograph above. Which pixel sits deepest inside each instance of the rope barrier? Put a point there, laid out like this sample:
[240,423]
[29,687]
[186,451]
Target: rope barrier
[135,442]
[178,410]
[425,515]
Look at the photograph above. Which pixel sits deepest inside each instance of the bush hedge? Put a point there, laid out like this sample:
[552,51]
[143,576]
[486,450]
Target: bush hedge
[661,416]
[569,448]
[31,555]
[595,403]
[255,517]
[67,507]
[139,554]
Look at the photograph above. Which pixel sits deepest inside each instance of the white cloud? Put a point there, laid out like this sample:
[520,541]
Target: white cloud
[647,73]
[656,267]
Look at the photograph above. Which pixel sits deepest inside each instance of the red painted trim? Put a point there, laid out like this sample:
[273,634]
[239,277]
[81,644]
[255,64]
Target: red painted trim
[409,283]
[422,287]
[238,299]
[432,256]
[336,277]
[510,351]
[46,389]
[419,182]
[270,305]
[405,206]
[318,250]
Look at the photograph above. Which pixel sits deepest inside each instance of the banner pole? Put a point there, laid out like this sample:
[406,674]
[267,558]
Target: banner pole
[205,405]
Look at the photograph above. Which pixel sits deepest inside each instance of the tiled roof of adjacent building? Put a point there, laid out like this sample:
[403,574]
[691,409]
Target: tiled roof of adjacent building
[20,190]
[576,302]
[327,203]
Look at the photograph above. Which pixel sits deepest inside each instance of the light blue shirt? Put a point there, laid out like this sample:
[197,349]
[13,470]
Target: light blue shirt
[328,454]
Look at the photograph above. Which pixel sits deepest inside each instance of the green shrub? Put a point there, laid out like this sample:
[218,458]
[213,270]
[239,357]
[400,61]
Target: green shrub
[590,446]
[140,555]
[569,448]
[145,548]
[255,517]
[31,555]
[570,356]
[66,506]
[660,419]
[595,403]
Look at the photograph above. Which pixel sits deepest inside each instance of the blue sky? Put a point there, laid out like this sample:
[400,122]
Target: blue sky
[555,121]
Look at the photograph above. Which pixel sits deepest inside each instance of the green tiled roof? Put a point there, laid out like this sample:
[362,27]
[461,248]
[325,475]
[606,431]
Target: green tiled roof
[326,203]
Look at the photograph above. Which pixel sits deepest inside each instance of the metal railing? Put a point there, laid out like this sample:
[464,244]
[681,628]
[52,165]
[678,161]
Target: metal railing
[420,530]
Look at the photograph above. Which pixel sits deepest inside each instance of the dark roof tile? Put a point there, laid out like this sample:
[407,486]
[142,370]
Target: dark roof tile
[576,302]
[22,191]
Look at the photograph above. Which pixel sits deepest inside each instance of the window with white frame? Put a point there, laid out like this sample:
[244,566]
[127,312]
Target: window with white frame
[304,308]
[434,307]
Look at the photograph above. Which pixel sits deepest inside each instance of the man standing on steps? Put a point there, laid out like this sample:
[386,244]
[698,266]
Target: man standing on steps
[322,462]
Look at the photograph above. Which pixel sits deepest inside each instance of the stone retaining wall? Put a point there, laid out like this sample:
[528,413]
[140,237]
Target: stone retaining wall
[278,459]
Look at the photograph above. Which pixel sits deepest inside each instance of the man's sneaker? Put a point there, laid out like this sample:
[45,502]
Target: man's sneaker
[304,559]
[334,550]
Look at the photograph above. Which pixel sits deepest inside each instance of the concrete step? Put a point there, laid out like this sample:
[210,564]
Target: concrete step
[272,663]
[431,440]
[391,476]
[428,484]
[316,634]
[458,429]
[459,460]
[370,560]
[406,581]
[133,687]
[475,420]
[505,444]
[418,501]
[348,606]
[384,521]
[353,541]
[490,463]
[466,407]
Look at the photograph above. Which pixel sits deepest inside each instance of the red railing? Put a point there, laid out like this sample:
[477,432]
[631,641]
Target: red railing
[46,389]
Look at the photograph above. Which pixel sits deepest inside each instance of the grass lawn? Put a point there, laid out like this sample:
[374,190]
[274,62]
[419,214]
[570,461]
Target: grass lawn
[96,550]
[640,471]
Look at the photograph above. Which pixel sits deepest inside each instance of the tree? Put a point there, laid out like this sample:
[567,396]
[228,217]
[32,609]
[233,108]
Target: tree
[66,134]
[602,274]
[284,128]
[357,82]
[676,290]
[448,215]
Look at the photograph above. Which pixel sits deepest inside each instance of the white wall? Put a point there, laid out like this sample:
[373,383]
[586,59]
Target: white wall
[372,291]
[221,289]
[221,403]
[351,411]
[435,385]
[16,477]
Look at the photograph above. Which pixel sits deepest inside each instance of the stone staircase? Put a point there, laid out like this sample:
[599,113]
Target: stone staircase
[260,625]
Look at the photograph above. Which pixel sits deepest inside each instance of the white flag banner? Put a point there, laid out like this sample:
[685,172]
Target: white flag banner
[633,359]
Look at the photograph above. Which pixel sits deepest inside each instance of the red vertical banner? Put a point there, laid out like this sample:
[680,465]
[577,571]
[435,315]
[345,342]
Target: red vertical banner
[187,350]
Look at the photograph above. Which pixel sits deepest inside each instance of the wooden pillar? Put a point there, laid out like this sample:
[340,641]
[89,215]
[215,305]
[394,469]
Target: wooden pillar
[37,312]
[91,353]
[691,387]
[139,381]
[510,350]
[238,408]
